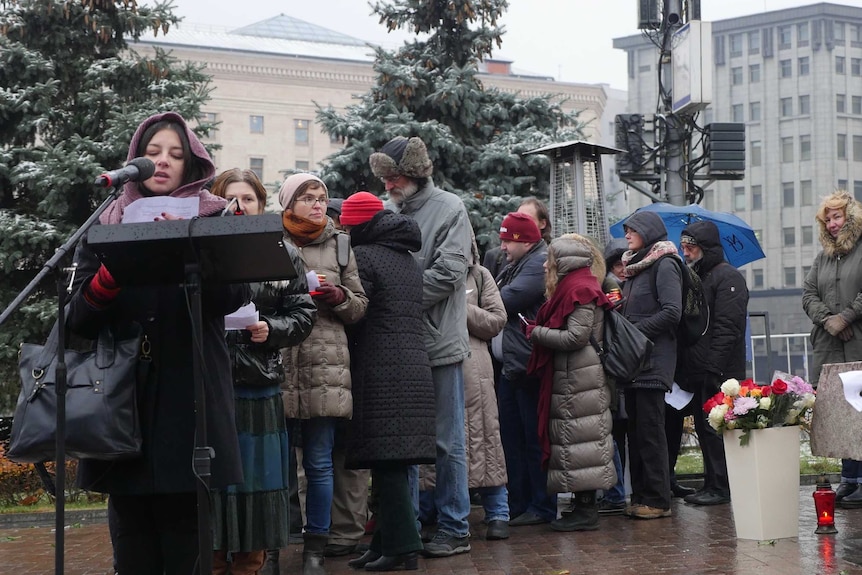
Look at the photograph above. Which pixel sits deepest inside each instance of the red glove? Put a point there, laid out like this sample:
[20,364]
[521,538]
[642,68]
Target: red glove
[331,294]
[103,288]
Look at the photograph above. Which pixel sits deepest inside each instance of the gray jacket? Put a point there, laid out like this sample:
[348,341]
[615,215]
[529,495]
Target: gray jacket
[444,260]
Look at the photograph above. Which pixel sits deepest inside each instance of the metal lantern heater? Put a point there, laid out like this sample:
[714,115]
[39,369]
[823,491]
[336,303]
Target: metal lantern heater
[824,503]
[577,191]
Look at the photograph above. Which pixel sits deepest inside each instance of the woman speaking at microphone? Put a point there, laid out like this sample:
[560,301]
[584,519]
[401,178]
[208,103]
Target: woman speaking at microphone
[153,509]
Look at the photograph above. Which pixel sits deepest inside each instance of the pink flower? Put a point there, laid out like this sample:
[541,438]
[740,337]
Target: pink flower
[743,405]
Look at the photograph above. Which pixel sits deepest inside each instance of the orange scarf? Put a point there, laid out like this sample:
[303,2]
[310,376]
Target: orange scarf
[302,231]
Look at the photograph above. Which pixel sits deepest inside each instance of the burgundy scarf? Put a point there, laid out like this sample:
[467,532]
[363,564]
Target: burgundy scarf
[578,287]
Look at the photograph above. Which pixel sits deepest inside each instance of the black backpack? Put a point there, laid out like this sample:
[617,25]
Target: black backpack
[695,311]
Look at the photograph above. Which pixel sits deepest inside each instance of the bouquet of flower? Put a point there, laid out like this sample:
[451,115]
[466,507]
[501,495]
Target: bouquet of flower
[744,405]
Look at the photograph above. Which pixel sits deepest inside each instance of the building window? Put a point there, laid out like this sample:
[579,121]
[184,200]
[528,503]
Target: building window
[857,148]
[807,236]
[735,45]
[840,103]
[806,194]
[787,150]
[856,105]
[856,34]
[804,105]
[804,66]
[736,75]
[856,66]
[789,237]
[301,165]
[785,69]
[300,132]
[256,166]
[756,197]
[757,278]
[255,124]
[754,112]
[804,147]
[790,277]
[841,146]
[786,106]
[788,195]
[736,113]
[756,149]
[802,34]
[739,199]
[857,190]
[754,73]
[785,37]
[838,33]
[839,65]
[754,42]
[842,185]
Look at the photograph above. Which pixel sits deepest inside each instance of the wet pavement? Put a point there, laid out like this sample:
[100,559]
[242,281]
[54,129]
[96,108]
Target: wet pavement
[695,540]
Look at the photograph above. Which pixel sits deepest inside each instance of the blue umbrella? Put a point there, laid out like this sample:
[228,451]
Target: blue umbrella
[737,237]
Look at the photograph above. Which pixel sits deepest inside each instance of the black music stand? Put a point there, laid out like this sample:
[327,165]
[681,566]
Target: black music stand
[190,252]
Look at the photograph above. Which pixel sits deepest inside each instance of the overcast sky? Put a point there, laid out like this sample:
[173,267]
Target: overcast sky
[570,40]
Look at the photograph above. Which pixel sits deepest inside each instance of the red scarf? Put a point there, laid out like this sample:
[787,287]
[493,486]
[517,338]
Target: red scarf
[578,287]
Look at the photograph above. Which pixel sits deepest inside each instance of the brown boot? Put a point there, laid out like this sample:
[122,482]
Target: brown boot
[312,553]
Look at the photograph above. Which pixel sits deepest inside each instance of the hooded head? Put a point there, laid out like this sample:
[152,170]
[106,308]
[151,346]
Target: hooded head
[705,237]
[333,208]
[648,225]
[401,156]
[849,233]
[198,168]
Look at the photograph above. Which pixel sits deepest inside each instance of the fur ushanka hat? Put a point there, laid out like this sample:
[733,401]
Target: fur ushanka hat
[402,157]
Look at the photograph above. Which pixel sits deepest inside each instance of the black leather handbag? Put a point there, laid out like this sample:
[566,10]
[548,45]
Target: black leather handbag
[101,400]
[625,350]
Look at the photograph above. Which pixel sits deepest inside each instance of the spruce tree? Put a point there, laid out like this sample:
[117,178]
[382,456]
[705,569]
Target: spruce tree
[71,95]
[431,88]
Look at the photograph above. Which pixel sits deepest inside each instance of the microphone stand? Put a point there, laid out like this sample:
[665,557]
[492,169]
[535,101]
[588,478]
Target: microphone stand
[53,265]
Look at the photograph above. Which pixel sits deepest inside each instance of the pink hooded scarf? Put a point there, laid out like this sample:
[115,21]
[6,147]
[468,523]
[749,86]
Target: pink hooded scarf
[209,204]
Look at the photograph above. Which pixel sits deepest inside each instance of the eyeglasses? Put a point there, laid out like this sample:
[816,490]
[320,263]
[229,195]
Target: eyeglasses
[390,179]
[311,200]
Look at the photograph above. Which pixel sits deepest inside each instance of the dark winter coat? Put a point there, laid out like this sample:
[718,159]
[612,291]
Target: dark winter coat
[522,287]
[720,353]
[834,286]
[393,393]
[289,312]
[166,398]
[656,315]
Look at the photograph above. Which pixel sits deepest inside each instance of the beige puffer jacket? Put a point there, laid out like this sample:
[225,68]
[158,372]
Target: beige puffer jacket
[317,371]
[486,462]
[580,423]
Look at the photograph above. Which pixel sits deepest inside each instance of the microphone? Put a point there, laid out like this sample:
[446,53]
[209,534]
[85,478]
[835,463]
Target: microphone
[228,209]
[135,170]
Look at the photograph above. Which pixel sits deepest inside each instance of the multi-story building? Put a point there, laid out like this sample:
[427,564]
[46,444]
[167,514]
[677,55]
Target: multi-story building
[794,77]
[269,77]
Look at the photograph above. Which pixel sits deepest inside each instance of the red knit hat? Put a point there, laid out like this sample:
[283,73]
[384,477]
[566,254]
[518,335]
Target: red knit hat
[359,208]
[518,227]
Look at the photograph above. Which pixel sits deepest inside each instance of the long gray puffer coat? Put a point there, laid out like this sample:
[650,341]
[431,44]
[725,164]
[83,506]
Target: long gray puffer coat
[834,286]
[582,448]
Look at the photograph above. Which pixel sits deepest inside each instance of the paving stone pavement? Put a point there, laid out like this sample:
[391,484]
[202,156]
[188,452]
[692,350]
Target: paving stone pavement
[696,540]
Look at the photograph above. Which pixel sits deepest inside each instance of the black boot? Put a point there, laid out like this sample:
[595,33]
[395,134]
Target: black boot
[406,562]
[312,553]
[583,517]
[270,563]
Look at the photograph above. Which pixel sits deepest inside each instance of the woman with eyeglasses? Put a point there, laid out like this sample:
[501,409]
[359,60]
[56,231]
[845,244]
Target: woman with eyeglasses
[316,389]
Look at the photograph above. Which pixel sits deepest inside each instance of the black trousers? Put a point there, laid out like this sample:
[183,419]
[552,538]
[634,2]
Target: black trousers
[648,457]
[154,534]
[395,531]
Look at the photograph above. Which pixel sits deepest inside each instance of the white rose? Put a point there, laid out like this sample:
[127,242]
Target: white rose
[765,402]
[730,387]
[716,416]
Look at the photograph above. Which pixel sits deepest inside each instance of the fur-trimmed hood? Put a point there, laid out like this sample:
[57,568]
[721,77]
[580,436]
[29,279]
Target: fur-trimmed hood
[848,236]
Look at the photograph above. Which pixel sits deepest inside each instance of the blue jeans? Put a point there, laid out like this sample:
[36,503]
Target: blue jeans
[495,502]
[451,495]
[318,439]
[519,432]
[851,471]
[617,493]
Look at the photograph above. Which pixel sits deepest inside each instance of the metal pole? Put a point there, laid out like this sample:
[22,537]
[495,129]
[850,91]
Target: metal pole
[674,126]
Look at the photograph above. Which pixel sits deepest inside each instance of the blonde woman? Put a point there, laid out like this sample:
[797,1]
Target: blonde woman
[574,399]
